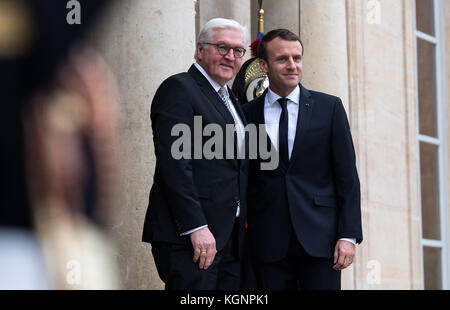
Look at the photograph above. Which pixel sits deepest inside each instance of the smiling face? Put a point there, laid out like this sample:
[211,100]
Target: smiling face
[283,66]
[221,68]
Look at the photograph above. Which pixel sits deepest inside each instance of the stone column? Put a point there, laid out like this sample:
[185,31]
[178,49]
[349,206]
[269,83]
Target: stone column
[142,45]
[232,9]
[277,14]
[446,36]
[324,35]
[383,119]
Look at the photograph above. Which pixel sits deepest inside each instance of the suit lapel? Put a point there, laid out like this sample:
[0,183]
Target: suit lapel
[211,94]
[216,102]
[304,116]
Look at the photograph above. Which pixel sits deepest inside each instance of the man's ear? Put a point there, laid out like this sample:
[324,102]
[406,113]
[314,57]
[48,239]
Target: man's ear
[199,51]
[263,65]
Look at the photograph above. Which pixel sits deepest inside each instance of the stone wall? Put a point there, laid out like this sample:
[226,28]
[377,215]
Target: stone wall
[384,123]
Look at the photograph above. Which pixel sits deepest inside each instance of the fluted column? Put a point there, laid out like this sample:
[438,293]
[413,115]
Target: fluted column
[278,14]
[233,9]
[324,36]
[143,46]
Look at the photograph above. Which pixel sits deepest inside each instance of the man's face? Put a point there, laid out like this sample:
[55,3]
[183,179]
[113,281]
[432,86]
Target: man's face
[283,66]
[221,68]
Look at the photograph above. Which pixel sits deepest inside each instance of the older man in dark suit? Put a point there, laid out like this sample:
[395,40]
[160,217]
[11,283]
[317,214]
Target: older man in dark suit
[304,217]
[196,214]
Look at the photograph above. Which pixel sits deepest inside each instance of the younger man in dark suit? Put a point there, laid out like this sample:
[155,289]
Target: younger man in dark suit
[304,217]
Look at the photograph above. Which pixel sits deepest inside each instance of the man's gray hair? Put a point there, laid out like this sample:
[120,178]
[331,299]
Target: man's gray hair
[206,33]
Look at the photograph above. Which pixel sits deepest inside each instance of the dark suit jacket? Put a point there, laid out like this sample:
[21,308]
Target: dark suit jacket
[189,193]
[317,196]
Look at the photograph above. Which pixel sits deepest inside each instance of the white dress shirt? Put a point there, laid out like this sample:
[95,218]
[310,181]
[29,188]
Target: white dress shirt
[272,113]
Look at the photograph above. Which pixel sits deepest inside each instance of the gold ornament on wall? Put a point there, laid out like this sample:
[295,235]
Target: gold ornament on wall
[256,80]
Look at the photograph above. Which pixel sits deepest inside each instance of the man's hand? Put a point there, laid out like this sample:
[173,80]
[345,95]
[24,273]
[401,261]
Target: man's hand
[204,246]
[343,254]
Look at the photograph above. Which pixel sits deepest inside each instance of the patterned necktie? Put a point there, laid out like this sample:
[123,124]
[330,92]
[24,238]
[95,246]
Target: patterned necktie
[283,131]
[226,100]
[240,135]
[223,94]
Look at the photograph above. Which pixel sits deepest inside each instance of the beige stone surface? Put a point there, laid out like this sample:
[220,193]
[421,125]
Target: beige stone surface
[144,42]
[279,14]
[324,36]
[232,9]
[446,35]
[384,125]
[323,33]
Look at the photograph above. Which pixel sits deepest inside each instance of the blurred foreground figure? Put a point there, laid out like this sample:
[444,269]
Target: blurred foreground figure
[70,135]
[58,151]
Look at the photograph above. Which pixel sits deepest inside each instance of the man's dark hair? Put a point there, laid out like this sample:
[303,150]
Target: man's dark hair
[276,33]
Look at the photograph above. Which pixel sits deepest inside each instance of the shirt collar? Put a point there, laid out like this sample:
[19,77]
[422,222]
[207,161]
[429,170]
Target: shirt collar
[294,96]
[213,83]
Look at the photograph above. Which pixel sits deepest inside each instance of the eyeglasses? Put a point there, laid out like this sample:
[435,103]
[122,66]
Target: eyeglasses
[223,49]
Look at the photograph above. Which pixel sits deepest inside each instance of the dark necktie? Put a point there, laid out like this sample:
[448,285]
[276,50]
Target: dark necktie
[283,131]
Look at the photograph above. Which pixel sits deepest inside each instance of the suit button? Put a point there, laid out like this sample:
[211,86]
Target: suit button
[236,199]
